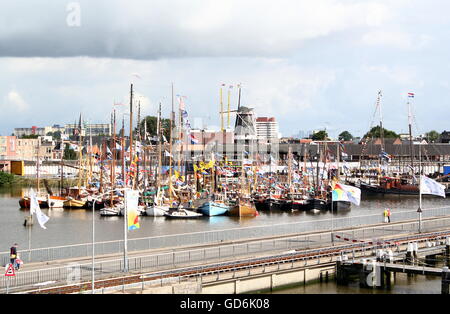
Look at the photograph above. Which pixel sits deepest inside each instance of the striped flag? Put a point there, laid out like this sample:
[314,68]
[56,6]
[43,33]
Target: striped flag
[411,95]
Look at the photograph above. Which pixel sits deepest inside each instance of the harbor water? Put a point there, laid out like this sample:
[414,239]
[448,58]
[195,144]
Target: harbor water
[74,226]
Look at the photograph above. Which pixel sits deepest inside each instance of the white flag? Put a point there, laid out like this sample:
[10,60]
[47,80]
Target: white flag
[167,154]
[35,209]
[429,186]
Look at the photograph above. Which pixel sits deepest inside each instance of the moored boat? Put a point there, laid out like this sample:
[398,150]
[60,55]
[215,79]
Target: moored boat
[54,201]
[211,208]
[182,214]
[243,208]
[72,203]
[157,210]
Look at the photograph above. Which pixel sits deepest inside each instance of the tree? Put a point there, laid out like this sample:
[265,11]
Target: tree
[375,133]
[152,122]
[29,136]
[320,136]
[6,178]
[345,136]
[432,136]
[55,135]
[69,153]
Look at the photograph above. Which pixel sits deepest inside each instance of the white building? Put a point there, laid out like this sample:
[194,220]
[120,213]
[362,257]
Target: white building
[267,129]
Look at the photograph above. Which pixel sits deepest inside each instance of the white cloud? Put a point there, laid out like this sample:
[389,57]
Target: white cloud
[14,101]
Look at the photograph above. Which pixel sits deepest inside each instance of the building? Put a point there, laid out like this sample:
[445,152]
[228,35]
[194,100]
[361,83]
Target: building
[209,137]
[39,131]
[267,129]
[89,129]
[26,149]
[7,147]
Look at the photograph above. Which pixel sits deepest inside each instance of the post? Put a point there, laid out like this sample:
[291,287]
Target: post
[420,196]
[93,245]
[125,243]
[29,224]
[445,280]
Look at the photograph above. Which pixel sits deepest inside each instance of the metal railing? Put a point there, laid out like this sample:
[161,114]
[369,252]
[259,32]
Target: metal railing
[215,236]
[201,256]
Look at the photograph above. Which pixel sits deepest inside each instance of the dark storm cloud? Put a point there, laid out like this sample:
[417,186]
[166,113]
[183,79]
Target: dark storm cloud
[172,28]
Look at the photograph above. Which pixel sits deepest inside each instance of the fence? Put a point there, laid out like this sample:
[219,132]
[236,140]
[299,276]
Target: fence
[216,236]
[73,272]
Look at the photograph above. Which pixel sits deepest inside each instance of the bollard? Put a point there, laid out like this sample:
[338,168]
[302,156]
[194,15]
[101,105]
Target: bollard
[415,249]
[409,253]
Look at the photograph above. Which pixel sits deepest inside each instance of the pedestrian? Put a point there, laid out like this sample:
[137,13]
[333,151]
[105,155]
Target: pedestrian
[385,215]
[389,215]
[13,253]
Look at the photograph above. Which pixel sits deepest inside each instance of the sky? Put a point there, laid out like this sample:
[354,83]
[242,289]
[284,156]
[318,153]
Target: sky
[310,64]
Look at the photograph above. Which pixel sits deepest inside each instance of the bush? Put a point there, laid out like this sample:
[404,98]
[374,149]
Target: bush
[6,178]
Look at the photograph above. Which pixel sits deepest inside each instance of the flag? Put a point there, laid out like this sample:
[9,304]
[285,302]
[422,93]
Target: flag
[181,102]
[347,193]
[411,95]
[35,209]
[193,139]
[131,205]
[429,186]
[167,154]
[184,114]
[108,153]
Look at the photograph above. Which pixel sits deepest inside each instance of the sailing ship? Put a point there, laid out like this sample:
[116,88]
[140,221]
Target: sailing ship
[400,184]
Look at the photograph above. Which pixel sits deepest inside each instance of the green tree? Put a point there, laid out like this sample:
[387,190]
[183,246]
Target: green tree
[375,133]
[29,136]
[345,136]
[320,136]
[152,122]
[432,136]
[6,178]
[69,153]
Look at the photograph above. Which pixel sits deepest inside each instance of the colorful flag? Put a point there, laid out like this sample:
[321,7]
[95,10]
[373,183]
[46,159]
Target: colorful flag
[429,186]
[193,139]
[346,193]
[411,95]
[131,205]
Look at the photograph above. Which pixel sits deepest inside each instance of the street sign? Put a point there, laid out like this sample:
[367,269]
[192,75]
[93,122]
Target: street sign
[10,270]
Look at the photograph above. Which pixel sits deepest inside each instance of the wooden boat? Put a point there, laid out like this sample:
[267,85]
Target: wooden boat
[24,202]
[181,213]
[243,208]
[54,201]
[72,203]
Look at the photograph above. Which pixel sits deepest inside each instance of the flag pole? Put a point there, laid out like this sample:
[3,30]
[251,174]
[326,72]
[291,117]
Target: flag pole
[125,240]
[420,193]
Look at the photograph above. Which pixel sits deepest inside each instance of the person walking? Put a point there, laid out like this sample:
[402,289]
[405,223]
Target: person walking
[13,254]
[388,215]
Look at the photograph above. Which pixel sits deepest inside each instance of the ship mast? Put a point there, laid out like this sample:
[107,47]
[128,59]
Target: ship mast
[411,150]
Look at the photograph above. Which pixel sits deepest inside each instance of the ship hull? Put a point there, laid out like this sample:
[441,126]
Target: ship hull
[241,210]
[213,209]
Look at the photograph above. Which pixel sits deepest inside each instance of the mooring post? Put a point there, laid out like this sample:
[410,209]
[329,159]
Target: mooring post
[445,280]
